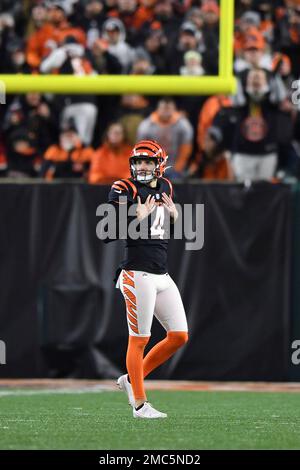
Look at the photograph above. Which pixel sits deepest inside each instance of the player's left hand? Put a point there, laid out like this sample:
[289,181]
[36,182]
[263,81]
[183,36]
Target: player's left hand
[170,206]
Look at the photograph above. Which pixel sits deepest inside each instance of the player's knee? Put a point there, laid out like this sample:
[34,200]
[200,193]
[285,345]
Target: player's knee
[139,342]
[178,338]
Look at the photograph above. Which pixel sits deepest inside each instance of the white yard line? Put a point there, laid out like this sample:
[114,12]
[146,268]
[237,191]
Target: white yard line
[58,391]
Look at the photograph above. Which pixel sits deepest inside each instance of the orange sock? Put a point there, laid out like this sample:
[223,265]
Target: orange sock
[163,350]
[134,364]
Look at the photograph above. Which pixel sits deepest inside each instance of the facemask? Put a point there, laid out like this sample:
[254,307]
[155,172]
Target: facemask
[144,176]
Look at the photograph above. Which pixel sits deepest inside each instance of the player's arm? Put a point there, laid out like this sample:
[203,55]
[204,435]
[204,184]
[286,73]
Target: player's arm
[119,197]
[123,193]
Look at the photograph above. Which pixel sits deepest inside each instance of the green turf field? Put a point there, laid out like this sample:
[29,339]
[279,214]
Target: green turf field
[197,420]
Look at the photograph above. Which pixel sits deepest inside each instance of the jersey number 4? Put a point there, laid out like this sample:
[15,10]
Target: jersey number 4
[157,229]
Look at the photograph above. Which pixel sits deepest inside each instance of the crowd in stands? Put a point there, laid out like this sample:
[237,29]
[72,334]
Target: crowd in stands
[252,135]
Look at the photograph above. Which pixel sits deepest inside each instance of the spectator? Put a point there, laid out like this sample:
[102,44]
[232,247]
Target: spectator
[190,39]
[149,37]
[103,61]
[191,104]
[134,15]
[23,158]
[111,161]
[13,8]
[287,34]
[7,34]
[91,20]
[192,64]
[252,128]
[15,61]
[37,19]
[110,5]
[34,113]
[214,164]
[51,34]
[134,107]
[173,131]
[154,50]
[145,13]
[248,23]
[207,114]
[289,161]
[210,32]
[115,34]
[165,20]
[196,16]
[70,58]
[266,10]
[241,6]
[253,53]
[282,66]
[211,12]
[126,11]
[69,158]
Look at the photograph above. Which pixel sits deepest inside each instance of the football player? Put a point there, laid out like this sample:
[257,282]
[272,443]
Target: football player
[143,276]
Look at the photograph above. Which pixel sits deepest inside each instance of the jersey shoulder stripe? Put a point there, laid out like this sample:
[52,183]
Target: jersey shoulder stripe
[120,185]
[133,187]
[123,187]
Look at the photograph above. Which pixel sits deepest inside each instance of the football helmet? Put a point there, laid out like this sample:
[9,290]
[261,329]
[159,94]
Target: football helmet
[148,150]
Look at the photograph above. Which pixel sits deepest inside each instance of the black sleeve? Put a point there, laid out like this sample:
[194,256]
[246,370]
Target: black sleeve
[119,194]
[226,120]
[113,64]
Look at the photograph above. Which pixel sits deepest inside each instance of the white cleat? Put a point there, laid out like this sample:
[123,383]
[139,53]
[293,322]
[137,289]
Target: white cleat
[125,386]
[147,411]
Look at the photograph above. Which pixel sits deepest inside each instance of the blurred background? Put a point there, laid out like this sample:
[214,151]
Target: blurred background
[60,315]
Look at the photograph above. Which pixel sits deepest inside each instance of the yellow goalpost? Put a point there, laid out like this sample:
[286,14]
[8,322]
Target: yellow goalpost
[225,82]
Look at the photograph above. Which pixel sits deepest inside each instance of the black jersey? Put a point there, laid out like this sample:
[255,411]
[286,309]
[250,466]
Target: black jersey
[145,254]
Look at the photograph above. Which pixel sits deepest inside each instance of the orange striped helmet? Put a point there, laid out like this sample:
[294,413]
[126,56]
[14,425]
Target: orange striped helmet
[152,150]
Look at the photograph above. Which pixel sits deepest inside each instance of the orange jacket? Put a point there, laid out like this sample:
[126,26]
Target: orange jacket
[39,43]
[219,169]
[36,47]
[207,114]
[142,15]
[251,36]
[57,154]
[136,20]
[109,164]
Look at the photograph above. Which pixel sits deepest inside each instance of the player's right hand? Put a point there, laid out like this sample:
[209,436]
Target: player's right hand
[144,210]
